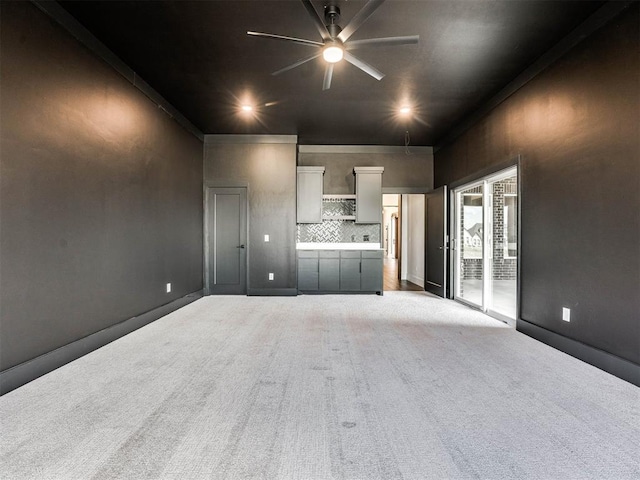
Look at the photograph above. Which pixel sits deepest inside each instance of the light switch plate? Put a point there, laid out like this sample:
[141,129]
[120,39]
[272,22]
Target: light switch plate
[168,288]
[270,276]
[566,314]
[266,238]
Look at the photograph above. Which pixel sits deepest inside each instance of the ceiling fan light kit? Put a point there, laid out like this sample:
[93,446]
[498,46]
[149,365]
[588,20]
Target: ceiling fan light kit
[332,53]
[334,46]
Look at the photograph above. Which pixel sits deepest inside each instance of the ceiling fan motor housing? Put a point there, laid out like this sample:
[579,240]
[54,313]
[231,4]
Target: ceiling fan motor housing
[331,17]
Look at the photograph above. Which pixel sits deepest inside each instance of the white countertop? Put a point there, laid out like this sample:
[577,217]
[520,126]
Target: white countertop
[338,246]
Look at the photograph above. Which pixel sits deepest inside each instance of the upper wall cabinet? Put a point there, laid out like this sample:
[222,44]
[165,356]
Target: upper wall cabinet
[310,181]
[368,194]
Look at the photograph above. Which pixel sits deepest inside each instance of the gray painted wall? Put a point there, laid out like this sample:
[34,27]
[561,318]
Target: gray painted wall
[576,127]
[401,170]
[269,171]
[100,193]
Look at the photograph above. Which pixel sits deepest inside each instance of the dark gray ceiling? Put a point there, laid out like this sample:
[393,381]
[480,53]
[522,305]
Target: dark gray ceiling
[198,56]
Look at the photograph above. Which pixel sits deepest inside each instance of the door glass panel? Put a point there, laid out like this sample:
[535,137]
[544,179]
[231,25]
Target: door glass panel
[504,263]
[470,251]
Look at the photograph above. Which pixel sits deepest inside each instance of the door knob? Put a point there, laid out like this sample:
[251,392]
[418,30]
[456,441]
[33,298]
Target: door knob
[240,246]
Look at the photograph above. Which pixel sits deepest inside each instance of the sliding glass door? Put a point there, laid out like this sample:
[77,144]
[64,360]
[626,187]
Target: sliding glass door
[470,244]
[486,244]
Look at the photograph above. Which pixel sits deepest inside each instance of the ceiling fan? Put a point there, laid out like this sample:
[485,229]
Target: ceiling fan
[335,45]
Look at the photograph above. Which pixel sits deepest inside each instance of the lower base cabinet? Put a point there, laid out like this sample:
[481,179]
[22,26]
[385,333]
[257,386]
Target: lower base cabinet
[350,271]
[332,271]
[371,274]
[308,275]
[329,270]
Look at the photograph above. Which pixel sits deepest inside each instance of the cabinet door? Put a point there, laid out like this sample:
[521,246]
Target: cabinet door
[368,196]
[350,271]
[329,280]
[371,277]
[308,271]
[309,194]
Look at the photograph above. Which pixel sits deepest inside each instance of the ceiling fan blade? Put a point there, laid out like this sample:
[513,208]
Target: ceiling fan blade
[324,33]
[301,41]
[365,67]
[328,75]
[297,64]
[383,42]
[357,21]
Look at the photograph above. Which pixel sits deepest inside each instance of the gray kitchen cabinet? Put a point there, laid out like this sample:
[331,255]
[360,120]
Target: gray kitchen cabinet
[329,270]
[309,194]
[308,274]
[350,271]
[368,194]
[371,276]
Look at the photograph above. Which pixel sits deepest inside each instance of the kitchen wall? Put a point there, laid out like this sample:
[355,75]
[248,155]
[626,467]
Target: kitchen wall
[576,128]
[266,165]
[100,193]
[403,170]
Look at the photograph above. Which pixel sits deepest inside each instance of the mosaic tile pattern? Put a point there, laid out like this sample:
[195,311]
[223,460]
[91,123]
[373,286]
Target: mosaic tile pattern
[338,206]
[337,231]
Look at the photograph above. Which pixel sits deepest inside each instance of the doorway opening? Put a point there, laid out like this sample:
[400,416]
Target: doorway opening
[486,244]
[403,241]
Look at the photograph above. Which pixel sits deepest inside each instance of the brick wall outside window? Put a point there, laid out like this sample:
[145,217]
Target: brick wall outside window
[503,268]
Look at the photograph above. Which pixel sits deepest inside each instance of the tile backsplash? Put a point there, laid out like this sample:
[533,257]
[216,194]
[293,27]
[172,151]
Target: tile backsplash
[338,206]
[337,231]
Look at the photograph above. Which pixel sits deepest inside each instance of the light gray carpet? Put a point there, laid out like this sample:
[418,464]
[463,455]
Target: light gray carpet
[405,386]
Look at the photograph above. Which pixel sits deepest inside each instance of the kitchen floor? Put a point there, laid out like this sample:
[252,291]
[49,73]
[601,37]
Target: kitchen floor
[391,282]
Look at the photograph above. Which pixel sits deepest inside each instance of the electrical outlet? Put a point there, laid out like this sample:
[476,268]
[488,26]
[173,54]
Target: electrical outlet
[266,238]
[566,314]
[168,288]
[270,276]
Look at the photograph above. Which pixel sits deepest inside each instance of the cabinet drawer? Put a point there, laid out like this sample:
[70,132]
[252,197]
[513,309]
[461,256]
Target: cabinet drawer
[371,253]
[329,253]
[350,254]
[307,254]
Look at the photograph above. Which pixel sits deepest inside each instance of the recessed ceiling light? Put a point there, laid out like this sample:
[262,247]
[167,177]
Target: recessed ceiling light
[247,108]
[405,110]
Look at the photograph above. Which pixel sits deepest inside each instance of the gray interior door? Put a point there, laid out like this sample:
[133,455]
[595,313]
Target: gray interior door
[227,241]
[436,242]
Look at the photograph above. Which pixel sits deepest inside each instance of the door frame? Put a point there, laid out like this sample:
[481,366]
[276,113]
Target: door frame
[207,241]
[400,191]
